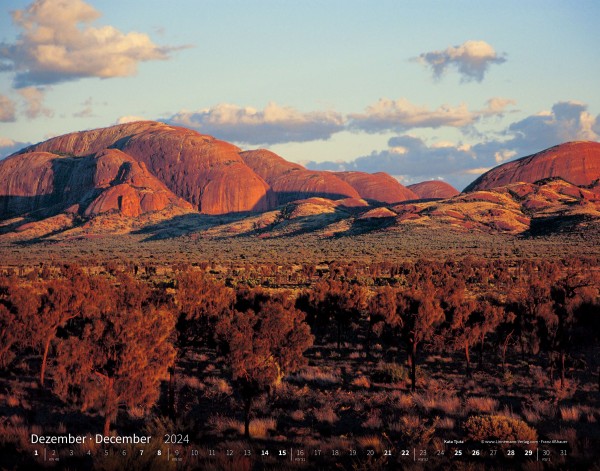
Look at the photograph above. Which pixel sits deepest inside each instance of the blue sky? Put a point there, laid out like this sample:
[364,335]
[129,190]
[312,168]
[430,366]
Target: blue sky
[422,90]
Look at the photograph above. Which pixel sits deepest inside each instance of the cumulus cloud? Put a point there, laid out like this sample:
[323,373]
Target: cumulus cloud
[58,43]
[471,59]
[411,159]
[7,109]
[567,121]
[273,125]
[277,124]
[401,115]
[34,102]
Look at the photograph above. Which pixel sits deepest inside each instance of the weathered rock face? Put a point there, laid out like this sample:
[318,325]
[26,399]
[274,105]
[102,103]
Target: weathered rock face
[377,186]
[575,162]
[128,187]
[41,181]
[204,171]
[433,189]
[292,182]
[107,181]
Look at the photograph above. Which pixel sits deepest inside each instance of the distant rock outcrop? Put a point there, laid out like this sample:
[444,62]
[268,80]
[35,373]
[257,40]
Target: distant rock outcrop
[575,162]
[377,186]
[204,171]
[292,182]
[138,175]
[433,189]
[552,204]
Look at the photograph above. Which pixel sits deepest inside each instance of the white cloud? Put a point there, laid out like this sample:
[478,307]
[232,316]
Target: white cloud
[497,106]
[7,109]
[504,155]
[567,121]
[34,102]
[275,124]
[476,171]
[401,115]
[471,59]
[58,43]
[129,119]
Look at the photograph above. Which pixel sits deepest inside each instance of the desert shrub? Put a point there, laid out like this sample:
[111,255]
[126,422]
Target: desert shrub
[508,378]
[361,382]
[499,427]
[414,429]
[390,373]
[326,414]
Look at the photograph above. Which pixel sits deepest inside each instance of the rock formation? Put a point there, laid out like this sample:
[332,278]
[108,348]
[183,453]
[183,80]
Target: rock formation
[433,189]
[378,186]
[292,182]
[575,162]
[204,171]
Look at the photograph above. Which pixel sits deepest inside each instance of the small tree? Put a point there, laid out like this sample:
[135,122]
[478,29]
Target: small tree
[461,328]
[334,303]
[116,356]
[568,295]
[421,314]
[62,301]
[414,315]
[200,302]
[487,316]
[17,305]
[261,346]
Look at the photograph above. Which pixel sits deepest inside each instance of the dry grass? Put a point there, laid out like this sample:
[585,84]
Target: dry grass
[371,442]
[414,429]
[259,428]
[539,410]
[12,401]
[217,386]
[193,382]
[446,423]
[326,415]
[373,421]
[361,382]
[431,401]
[570,414]
[482,404]
[315,376]
[405,401]
[137,412]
